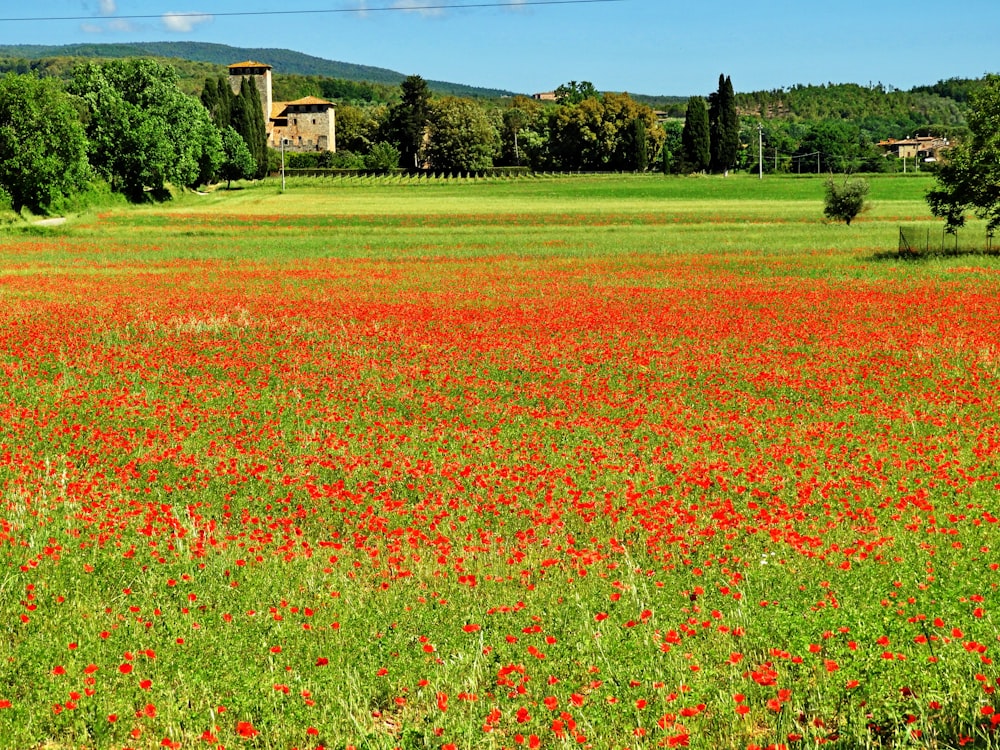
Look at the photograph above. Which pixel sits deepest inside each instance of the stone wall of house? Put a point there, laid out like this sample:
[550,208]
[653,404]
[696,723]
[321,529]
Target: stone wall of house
[310,127]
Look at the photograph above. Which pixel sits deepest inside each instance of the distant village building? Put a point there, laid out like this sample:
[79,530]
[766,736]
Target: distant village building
[925,148]
[307,124]
[545,96]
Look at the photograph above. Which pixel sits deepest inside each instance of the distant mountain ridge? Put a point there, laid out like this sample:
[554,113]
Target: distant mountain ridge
[283,61]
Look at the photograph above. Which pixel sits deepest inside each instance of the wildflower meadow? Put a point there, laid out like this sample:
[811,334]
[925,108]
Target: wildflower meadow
[596,462]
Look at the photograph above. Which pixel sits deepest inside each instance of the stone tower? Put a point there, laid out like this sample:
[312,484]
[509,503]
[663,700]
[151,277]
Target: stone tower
[260,74]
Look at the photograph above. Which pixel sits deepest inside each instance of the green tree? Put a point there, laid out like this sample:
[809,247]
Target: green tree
[970,178]
[521,113]
[577,139]
[621,119]
[640,144]
[597,134]
[248,120]
[832,146]
[671,151]
[382,157]
[845,201]
[521,126]
[218,98]
[406,123]
[723,127]
[460,136]
[237,162]
[43,152]
[695,139]
[574,93]
[143,131]
[358,128]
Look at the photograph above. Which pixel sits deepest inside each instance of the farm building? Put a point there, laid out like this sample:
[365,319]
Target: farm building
[926,148]
[307,124]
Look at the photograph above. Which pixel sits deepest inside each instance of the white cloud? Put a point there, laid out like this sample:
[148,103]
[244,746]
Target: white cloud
[419,6]
[91,28]
[108,7]
[184,22]
[121,24]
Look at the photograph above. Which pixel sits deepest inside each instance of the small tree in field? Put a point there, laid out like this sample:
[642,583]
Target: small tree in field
[845,201]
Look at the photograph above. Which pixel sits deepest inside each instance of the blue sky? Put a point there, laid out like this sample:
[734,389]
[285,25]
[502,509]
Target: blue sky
[642,46]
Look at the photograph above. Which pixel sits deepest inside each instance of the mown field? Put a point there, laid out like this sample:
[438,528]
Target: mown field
[608,462]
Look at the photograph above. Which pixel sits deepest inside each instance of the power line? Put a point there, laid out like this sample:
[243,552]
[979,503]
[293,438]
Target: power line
[435,6]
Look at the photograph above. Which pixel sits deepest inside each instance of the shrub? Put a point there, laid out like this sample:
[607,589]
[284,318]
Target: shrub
[845,201]
[382,157]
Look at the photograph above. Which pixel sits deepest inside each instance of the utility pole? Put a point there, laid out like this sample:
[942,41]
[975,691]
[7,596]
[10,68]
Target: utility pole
[282,164]
[760,150]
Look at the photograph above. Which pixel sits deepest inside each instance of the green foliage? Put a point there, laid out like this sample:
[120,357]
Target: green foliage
[460,137]
[248,120]
[837,146]
[407,120]
[640,144]
[289,87]
[970,180]
[723,127]
[340,159]
[884,113]
[218,98]
[574,93]
[43,154]
[845,201]
[237,163]
[143,131]
[695,139]
[382,157]
[358,127]
[671,151]
[206,58]
[600,134]
[521,125]
[960,90]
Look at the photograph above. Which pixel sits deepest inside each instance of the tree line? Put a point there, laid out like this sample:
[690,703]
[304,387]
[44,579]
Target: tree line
[129,123]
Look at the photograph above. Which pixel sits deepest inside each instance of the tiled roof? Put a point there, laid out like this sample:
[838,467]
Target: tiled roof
[310,100]
[250,64]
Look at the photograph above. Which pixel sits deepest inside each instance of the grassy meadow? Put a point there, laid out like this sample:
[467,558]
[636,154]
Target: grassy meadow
[606,462]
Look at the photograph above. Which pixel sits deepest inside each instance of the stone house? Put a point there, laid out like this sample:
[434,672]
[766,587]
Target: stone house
[925,148]
[307,124]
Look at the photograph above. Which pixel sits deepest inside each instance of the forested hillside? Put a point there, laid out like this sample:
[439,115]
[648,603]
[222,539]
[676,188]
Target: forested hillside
[283,61]
[878,109]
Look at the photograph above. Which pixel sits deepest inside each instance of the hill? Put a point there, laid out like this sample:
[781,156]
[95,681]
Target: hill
[881,111]
[282,60]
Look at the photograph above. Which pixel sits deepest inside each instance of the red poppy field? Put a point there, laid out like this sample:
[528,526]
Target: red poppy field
[612,496]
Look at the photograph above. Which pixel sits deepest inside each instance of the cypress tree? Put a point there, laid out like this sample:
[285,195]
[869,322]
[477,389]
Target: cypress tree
[695,141]
[724,127]
[209,98]
[217,97]
[225,99]
[640,144]
[407,121]
[248,121]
